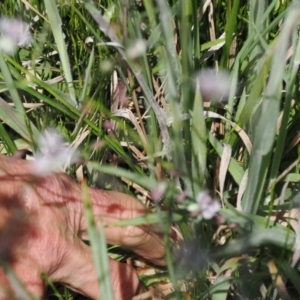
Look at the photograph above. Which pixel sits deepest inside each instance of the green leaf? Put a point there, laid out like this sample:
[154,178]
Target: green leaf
[145,182]
[148,219]
[221,288]
[15,120]
[265,129]
[56,27]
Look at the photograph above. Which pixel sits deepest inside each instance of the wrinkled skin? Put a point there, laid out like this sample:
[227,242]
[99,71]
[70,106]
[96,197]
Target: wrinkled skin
[42,225]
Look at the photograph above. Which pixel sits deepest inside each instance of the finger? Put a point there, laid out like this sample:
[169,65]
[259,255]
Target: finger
[20,167]
[125,281]
[79,274]
[23,282]
[109,207]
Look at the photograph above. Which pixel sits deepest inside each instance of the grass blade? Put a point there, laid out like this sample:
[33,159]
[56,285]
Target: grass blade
[264,133]
[99,248]
[56,27]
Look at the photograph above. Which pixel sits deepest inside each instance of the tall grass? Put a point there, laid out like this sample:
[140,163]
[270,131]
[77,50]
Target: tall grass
[164,127]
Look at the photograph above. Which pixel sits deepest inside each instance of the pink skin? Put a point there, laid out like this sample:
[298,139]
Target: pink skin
[43,223]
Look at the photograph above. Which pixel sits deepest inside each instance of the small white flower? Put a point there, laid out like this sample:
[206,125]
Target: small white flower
[13,33]
[214,86]
[54,153]
[207,205]
[137,49]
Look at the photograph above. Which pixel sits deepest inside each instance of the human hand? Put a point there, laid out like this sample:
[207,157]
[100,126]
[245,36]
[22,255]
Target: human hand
[42,226]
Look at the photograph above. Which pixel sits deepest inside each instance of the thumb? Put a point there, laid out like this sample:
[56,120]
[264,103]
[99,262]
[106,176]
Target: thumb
[79,274]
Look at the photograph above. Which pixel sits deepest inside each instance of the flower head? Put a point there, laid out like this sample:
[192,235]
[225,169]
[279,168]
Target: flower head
[205,206]
[13,33]
[159,191]
[108,125]
[214,86]
[181,196]
[54,153]
[208,206]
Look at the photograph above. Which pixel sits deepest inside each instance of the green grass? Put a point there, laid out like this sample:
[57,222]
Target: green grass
[244,150]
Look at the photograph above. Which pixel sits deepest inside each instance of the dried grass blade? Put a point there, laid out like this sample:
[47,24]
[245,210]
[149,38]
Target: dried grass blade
[126,113]
[225,160]
[242,188]
[237,128]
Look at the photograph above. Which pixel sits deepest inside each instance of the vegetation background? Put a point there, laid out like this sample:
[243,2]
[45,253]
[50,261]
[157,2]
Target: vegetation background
[166,100]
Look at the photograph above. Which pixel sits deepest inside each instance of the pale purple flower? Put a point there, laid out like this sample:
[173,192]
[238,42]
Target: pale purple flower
[13,33]
[181,196]
[214,86]
[158,192]
[54,153]
[207,205]
[108,125]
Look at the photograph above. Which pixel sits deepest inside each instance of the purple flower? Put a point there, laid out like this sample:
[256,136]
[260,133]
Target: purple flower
[108,125]
[181,196]
[54,153]
[207,205]
[158,192]
[214,86]
[13,33]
